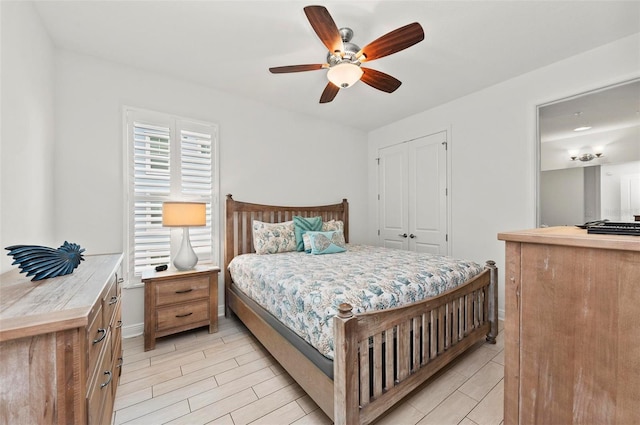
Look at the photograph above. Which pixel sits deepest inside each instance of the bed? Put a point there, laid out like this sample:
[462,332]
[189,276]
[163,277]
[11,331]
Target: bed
[377,356]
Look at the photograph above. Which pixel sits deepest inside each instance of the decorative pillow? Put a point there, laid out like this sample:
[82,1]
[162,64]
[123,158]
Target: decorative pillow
[307,242]
[327,242]
[272,238]
[327,226]
[333,225]
[305,224]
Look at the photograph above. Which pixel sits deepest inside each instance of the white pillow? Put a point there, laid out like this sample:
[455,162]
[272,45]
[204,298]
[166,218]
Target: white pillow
[272,238]
[333,225]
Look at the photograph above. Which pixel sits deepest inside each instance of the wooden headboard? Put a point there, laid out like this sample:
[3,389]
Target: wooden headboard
[240,216]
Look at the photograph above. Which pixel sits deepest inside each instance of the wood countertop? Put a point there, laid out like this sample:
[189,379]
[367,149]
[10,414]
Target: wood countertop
[572,236]
[29,308]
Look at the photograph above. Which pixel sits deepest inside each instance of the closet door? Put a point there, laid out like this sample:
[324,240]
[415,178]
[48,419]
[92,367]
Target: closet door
[428,194]
[412,179]
[393,197]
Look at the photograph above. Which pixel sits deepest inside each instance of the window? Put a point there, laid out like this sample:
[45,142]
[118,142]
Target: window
[168,159]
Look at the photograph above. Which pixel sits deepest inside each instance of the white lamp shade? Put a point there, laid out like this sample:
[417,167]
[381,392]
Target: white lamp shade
[344,75]
[184,214]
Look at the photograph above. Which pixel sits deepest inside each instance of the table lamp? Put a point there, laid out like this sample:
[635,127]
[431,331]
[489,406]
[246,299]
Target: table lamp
[185,215]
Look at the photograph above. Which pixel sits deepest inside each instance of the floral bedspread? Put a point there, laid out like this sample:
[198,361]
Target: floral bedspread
[303,290]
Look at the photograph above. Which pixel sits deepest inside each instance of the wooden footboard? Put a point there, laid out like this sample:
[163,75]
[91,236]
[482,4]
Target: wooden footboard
[380,357]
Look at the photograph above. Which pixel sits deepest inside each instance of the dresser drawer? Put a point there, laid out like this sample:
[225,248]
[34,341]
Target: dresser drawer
[182,315]
[96,339]
[100,387]
[110,301]
[182,290]
[116,343]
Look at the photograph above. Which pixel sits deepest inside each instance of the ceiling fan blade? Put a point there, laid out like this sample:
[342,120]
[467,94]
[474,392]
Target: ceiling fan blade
[325,27]
[329,93]
[392,42]
[296,68]
[380,80]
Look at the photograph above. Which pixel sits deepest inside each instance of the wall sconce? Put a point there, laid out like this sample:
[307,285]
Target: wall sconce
[185,215]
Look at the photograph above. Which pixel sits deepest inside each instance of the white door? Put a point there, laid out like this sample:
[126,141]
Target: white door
[413,195]
[393,197]
[629,196]
[428,194]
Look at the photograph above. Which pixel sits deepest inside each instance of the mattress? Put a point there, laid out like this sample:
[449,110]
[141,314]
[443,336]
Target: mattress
[303,291]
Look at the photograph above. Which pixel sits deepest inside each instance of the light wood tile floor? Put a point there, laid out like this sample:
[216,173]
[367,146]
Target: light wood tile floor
[228,378]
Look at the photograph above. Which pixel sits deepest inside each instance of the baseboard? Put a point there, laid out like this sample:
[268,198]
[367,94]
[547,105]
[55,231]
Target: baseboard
[137,329]
[133,330]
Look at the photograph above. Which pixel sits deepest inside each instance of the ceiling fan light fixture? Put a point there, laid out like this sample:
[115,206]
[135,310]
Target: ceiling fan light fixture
[344,74]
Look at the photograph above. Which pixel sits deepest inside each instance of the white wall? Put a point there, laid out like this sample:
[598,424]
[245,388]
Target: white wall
[493,146]
[267,155]
[612,177]
[562,196]
[26,145]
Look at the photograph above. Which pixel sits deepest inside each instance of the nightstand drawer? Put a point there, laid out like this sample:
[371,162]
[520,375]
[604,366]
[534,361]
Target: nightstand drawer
[182,314]
[182,290]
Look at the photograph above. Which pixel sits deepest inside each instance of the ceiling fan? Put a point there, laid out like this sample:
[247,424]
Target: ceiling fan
[344,60]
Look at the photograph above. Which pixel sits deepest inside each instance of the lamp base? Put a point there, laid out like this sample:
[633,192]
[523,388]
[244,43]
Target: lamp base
[186,258]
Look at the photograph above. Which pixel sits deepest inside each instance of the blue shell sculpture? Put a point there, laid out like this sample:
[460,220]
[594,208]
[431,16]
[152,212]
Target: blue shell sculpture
[45,262]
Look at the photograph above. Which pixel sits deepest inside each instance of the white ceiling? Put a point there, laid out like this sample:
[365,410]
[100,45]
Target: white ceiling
[613,115]
[229,45]
[613,108]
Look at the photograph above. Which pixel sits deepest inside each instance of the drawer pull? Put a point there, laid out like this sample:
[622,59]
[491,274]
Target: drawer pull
[184,291]
[113,300]
[103,336]
[184,315]
[104,384]
[119,325]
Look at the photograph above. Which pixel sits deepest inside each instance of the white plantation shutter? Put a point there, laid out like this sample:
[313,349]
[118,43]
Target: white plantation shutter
[169,159]
[196,180]
[151,185]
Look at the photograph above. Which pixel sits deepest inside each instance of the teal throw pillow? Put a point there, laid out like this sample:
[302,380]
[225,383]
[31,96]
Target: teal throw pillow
[305,224]
[327,242]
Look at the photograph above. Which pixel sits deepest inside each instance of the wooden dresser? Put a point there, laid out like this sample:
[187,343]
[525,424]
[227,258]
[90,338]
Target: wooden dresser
[572,339]
[60,345]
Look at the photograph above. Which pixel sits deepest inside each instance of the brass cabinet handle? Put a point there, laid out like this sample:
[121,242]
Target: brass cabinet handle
[184,291]
[184,315]
[104,335]
[104,384]
[113,300]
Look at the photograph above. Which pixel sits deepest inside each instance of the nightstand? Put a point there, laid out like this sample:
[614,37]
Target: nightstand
[175,301]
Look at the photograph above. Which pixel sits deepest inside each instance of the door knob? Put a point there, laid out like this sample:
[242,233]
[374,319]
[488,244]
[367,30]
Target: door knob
[412,236]
[403,235]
